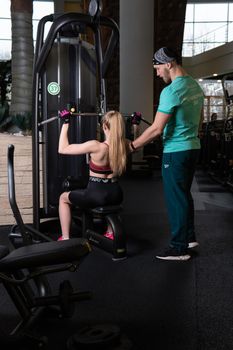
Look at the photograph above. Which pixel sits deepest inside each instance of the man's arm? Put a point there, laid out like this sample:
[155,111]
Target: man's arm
[151,133]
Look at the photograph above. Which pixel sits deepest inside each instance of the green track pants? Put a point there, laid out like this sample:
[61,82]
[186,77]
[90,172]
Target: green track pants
[178,171]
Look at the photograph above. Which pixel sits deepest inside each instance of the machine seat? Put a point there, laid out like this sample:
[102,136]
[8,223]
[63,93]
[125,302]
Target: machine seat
[107,209]
[44,254]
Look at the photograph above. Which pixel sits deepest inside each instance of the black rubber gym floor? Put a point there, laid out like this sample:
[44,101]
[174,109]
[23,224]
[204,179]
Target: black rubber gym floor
[157,304]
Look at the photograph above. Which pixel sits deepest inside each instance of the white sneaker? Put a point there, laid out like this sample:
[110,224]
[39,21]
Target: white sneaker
[193,244]
[173,254]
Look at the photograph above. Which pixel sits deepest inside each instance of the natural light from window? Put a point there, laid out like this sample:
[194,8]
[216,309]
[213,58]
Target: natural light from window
[206,27]
[40,9]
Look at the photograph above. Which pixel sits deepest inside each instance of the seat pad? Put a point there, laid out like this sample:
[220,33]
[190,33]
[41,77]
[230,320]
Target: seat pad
[45,254]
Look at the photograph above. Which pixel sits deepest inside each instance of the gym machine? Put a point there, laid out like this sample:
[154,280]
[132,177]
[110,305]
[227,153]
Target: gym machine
[217,140]
[227,83]
[69,73]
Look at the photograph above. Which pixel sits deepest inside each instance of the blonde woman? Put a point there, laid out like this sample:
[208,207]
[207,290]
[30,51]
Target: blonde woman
[107,163]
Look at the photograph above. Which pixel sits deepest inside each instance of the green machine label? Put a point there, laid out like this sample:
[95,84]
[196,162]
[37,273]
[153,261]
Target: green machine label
[53,88]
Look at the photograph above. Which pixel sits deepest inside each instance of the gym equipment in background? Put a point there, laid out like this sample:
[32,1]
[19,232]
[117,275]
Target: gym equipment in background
[217,140]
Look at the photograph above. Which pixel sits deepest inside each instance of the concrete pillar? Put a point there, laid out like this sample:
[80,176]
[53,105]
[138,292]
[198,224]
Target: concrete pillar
[136,52]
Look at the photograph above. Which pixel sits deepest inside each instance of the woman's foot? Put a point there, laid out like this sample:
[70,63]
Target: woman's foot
[109,235]
[62,238]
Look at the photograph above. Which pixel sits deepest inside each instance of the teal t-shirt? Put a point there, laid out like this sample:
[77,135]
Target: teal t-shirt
[183,99]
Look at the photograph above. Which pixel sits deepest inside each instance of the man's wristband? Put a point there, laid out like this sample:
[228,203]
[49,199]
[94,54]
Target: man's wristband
[132,146]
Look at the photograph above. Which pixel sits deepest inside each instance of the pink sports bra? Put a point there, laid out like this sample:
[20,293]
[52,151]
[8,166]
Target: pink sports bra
[104,169]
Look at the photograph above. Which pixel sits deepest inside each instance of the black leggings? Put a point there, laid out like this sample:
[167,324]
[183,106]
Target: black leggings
[97,194]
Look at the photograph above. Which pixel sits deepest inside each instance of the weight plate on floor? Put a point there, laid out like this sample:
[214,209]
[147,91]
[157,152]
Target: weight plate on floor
[92,336]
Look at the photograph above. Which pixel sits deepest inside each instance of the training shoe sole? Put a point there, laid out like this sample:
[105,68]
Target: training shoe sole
[175,258]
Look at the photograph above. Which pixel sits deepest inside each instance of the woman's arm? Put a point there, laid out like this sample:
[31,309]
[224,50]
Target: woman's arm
[64,147]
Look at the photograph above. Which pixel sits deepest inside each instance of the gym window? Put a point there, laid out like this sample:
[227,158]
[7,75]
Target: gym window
[40,9]
[207,25]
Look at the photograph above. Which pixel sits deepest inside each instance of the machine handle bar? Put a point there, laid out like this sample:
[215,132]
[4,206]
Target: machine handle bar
[85,114]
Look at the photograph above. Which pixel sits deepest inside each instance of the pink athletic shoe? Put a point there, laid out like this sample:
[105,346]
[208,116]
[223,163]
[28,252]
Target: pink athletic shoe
[61,238]
[109,235]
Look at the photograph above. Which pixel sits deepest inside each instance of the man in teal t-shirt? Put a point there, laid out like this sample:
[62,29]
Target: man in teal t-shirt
[177,119]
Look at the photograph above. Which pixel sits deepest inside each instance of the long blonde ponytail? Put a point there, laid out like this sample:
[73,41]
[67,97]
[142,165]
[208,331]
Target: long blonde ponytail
[114,121]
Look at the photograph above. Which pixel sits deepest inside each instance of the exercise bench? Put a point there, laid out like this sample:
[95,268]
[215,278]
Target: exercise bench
[23,272]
